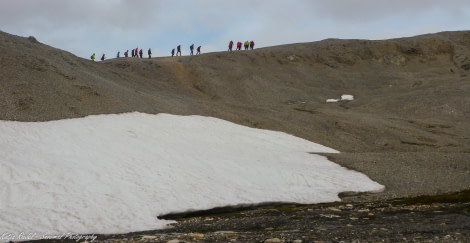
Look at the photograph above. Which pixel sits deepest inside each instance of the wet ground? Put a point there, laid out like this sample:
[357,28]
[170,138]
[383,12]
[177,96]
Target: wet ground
[444,218]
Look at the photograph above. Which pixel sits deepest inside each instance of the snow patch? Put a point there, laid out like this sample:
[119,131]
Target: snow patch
[343,97]
[117,173]
[347,97]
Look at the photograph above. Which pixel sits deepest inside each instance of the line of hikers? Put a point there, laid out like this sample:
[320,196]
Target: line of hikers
[246,44]
[139,53]
[135,53]
[191,49]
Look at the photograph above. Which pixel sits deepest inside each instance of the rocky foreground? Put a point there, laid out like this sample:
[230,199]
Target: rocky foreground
[444,218]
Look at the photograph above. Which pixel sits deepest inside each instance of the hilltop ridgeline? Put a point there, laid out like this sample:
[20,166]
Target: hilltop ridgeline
[407,83]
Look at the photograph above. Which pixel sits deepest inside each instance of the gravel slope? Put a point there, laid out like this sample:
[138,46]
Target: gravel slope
[407,127]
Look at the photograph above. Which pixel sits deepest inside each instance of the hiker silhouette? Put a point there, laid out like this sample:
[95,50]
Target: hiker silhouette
[178,50]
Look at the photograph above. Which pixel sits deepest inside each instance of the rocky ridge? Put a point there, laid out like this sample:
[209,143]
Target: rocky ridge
[406,128]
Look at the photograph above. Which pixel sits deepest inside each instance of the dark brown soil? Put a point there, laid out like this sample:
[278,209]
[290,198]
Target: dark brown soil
[407,128]
[444,218]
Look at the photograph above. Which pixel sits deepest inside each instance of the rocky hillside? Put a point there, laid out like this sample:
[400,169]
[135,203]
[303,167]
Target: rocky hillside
[410,113]
[413,85]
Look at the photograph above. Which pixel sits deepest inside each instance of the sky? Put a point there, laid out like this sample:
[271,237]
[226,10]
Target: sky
[108,26]
[116,173]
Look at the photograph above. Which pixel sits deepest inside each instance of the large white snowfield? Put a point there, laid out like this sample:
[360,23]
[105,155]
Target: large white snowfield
[117,173]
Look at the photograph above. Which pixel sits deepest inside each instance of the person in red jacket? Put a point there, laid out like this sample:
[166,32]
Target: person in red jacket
[198,50]
[230,45]
[239,45]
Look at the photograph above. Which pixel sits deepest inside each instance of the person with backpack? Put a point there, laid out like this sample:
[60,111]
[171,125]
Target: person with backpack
[178,50]
[149,52]
[252,45]
[126,53]
[173,52]
[191,48]
[141,53]
[247,44]
[136,52]
[102,57]
[230,45]
[198,50]
[239,45]
[93,57]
